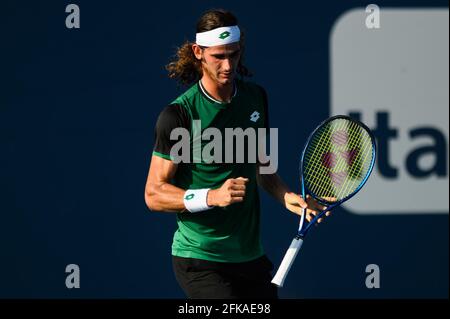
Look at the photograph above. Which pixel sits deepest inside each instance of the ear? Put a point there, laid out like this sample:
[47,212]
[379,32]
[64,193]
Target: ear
[197,51]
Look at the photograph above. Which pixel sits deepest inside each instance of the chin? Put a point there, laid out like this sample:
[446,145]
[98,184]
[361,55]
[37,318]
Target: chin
[226,81]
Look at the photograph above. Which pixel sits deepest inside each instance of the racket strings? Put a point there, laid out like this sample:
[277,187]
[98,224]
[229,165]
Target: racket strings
[345,178]
[320,144]
[342,172]
[315,165]
[361,168]
[349,148]
[355,171]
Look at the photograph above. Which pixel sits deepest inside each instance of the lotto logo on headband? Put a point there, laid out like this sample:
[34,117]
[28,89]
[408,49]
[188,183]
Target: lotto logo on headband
[224,35]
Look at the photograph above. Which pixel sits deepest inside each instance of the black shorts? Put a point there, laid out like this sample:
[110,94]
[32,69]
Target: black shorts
[216,280]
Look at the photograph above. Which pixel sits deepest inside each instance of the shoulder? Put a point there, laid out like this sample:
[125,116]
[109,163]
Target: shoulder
[171,111]
[173,115]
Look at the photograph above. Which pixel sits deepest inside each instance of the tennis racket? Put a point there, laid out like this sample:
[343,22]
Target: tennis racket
[336,162]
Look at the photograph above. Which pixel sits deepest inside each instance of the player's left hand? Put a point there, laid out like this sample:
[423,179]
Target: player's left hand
[295,203]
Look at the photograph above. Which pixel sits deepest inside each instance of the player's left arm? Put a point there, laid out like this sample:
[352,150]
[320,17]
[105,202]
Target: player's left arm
[277,188]
[274,185]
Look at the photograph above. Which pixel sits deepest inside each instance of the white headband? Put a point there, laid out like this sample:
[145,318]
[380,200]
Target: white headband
[219,36]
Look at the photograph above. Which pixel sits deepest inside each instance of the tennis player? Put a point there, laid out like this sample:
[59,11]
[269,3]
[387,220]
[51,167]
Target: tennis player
[216,249]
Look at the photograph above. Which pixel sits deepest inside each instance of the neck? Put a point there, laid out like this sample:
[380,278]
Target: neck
[220,92]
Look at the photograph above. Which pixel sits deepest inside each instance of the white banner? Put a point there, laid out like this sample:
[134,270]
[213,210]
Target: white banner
[394,75]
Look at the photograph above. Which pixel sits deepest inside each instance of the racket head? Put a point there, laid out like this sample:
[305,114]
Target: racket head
[337,160]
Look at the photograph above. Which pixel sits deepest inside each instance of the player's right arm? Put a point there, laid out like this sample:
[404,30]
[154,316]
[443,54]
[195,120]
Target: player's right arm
[160,193]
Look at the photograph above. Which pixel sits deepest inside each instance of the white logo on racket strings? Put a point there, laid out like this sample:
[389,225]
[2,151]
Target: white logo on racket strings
[255,116]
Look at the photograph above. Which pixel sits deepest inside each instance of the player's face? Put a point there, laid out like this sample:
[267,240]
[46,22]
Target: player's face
[220,62]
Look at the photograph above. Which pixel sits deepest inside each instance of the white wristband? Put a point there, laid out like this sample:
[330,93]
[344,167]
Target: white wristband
[195,200]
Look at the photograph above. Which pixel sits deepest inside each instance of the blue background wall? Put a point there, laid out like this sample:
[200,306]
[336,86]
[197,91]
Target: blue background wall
[77,114]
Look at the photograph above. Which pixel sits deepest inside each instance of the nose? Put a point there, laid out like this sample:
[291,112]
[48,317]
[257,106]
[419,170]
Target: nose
[226,65]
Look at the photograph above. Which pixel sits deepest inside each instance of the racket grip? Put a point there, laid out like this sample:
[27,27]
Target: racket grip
[287,262]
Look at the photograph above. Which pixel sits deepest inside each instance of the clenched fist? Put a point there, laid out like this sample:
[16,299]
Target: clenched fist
[232,191]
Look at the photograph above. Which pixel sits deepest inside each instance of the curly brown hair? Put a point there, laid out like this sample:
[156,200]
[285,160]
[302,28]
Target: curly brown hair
[185,67]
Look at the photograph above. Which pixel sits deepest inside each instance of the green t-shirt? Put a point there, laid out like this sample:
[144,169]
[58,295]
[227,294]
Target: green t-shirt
[223,234]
